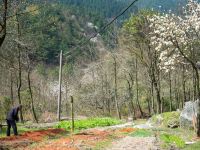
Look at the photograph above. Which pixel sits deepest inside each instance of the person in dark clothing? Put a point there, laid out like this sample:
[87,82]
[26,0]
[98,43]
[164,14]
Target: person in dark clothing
[11,119]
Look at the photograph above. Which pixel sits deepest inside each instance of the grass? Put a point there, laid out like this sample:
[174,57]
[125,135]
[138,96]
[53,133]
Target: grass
[195,146]
[89,123]
[105,143]
[141,133]
[172,140]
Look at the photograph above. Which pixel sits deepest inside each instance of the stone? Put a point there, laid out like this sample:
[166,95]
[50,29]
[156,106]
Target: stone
[188,113]
[174,123]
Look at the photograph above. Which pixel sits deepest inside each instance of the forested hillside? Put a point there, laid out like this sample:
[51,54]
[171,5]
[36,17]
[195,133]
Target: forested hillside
[162,5]
[109,8]
[94,65]
[54,27]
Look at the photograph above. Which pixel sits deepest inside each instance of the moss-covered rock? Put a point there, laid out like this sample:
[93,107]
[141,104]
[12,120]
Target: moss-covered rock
[167,119]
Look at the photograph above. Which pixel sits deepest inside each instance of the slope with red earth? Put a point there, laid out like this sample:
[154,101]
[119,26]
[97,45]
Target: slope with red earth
[27,138]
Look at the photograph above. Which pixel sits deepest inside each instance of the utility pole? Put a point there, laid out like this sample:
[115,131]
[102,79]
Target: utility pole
[116,100]
[60,86]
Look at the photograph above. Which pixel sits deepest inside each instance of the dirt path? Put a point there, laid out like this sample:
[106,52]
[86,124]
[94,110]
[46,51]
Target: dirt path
[134,143]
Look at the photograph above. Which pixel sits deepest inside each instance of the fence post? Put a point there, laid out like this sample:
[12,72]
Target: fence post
[72,113]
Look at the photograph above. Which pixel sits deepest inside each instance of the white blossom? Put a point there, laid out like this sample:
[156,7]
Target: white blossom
[168,30]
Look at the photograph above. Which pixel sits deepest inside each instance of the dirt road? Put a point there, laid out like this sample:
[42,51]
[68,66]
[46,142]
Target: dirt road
[134,143]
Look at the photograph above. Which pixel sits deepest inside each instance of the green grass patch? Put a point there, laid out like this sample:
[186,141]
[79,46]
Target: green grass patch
[170,140]
[195,146]
[141,133]
[89,123]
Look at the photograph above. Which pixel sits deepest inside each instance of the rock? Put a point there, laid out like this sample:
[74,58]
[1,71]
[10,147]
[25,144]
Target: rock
[159,119]
[174,123]
[189,143]
[166,119]
[188,113]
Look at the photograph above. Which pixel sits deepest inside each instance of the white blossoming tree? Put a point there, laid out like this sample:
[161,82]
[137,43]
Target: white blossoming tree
[177,40]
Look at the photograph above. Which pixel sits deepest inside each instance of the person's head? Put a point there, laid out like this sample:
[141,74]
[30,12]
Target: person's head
[19,107]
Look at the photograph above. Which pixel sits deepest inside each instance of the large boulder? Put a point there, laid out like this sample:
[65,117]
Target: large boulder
[188,114]
[167,119]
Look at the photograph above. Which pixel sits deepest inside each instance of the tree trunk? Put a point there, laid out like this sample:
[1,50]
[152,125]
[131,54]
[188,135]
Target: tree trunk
[11,88]
[108,95]
[4,24]
[31,94]
[198,92]
[137,88]
[157,93]
[149,104]
[152,97]
[194,86]
[170,90]
[131,104]
[19,69]
[184,89]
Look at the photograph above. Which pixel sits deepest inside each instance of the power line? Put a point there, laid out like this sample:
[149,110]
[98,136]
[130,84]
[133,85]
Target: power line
[107,25]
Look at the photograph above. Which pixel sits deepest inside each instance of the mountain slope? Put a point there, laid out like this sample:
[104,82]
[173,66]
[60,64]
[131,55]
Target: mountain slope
[59,27]
[161,5]
[110,8]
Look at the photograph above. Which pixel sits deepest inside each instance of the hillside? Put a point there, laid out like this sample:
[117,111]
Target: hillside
[56,27]
[126,83]
[67,24]
[109,8]
[162,5]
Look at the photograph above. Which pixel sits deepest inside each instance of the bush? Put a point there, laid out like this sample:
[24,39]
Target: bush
[89,123]
[5,105]
[171,140]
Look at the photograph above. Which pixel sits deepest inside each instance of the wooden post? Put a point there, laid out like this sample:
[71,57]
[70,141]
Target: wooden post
[60,86]
[72,113]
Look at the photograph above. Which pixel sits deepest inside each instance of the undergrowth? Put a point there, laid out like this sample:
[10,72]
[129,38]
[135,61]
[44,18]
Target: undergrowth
[172,140]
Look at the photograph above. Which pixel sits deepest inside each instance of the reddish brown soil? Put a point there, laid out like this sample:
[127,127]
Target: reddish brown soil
[33,135]
[27,138]
[127,130]
[83,140]
[75,142]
